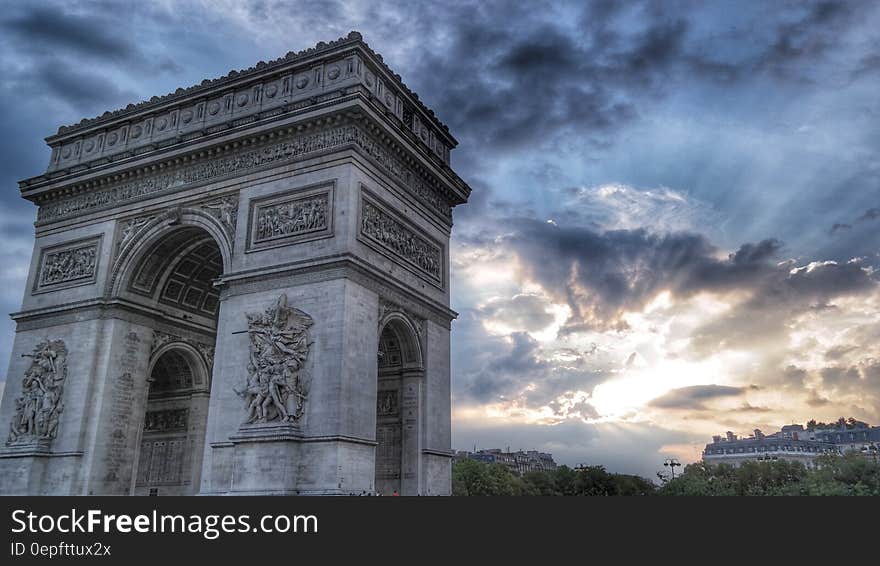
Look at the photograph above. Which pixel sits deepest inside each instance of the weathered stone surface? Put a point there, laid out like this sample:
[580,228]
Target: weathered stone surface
[249,280]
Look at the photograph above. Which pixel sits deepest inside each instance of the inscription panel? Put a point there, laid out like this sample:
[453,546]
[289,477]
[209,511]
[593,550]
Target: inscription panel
[161,461]
[68,265]
[295,216]
[386,232]
[388,451]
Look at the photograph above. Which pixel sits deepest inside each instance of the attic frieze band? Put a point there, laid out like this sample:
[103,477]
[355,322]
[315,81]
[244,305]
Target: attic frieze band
[240,161]
[314,56]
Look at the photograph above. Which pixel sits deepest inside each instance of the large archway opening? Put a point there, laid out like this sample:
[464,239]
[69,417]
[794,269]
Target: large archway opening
[400,362]
[173,274]
[173,431]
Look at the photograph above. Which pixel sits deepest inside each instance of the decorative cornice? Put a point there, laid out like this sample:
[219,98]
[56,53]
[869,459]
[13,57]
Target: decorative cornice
[300,79]
[245,155]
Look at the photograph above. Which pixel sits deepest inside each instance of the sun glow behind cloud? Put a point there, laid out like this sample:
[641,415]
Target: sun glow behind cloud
[753,352]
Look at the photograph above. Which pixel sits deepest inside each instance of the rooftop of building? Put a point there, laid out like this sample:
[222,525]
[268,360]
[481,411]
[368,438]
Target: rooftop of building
[797,435]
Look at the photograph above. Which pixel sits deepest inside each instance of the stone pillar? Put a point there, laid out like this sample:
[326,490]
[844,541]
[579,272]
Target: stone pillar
[411,413]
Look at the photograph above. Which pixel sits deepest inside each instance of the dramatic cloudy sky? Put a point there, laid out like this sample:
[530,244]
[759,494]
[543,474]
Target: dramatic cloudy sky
[674,225]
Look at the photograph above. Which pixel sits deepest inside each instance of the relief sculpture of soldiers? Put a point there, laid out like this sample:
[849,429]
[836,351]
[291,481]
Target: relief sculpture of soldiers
[241,288]
[292,218]
[38,409]
[279,347]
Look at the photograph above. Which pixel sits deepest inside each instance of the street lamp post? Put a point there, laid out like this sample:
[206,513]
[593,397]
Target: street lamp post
[671,463]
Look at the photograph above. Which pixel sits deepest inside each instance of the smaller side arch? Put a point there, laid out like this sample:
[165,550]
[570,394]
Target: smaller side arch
[408,336]
[196,360]
[171,422]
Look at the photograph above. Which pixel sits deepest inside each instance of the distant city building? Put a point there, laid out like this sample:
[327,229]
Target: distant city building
[519,462]
[794,443]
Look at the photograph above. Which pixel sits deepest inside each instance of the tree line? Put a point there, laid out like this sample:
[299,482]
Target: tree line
[851,474]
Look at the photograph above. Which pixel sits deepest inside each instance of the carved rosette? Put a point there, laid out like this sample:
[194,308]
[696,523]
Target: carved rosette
[38,409]
[278,381]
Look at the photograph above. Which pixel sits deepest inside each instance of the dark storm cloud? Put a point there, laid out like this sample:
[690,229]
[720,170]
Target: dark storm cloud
[505,84]
[508,370]
[694,397]
[807,38]
[83,34]
[42,30]
[515,368]
[870,214]
[599,274]
[81,89]
[514,85]
[762,321]
[794,376]
[869,64]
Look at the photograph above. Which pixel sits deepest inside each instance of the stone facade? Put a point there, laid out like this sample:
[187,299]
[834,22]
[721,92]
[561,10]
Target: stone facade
[241,288]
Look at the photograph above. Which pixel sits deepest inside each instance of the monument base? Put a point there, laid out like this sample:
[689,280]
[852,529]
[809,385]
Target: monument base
[265,459]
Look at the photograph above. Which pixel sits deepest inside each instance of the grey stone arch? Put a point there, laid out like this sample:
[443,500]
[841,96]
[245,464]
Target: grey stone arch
[171,434]
[400,382]
[131,250]
[162,242]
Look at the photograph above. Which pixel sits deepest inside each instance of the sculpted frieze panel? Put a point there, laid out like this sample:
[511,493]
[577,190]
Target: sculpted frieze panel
[296,216]
[68,264]
[381,227]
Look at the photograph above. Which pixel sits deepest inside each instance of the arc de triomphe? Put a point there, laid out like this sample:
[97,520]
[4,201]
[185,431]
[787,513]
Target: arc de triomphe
[241,288]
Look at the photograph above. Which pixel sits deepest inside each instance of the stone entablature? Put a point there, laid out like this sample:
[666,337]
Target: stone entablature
[278,147]
[287,84]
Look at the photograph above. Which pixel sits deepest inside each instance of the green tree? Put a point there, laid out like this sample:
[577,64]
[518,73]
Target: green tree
[470,477]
